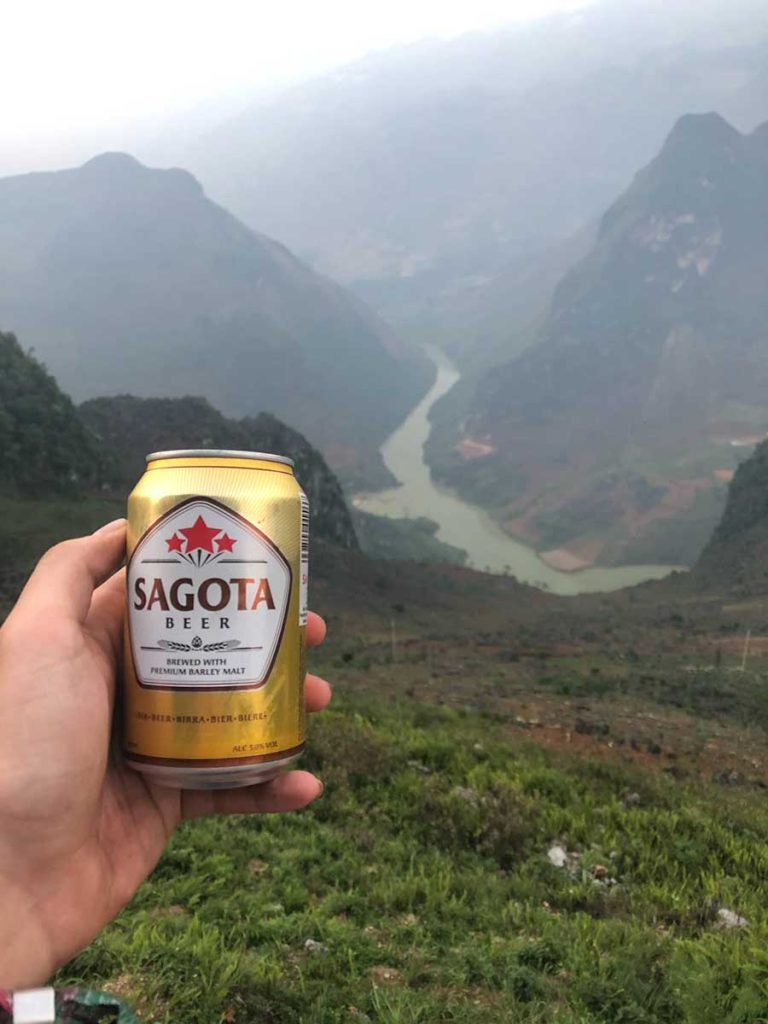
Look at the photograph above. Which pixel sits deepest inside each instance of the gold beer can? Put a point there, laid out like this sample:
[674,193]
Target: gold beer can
[213,694]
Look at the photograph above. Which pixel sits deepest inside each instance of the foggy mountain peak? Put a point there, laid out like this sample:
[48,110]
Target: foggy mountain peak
[709,129]
[704,166]
[651,359]
[113,163]
[419,173]
[115,170]
[120,275]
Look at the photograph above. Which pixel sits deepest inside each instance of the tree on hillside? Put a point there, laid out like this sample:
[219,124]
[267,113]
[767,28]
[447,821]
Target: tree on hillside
[44,446]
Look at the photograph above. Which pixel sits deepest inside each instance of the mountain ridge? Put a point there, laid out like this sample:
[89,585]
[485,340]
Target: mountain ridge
[45,448]
[129,428]
[53,451]
[651,358]
[421,174]
[119,275]
[736,555]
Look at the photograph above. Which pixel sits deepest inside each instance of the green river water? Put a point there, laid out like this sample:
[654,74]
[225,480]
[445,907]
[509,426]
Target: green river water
[467,526]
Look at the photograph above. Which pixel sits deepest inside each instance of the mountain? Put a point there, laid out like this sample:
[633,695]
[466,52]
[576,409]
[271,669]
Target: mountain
[404,540]
[421,174]
[616,430]
[736,556]
[121,277]
[129,428]
[45,448]
[52,452]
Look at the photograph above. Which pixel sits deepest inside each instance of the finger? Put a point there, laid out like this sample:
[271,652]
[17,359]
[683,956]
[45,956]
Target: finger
[315,630]
[66,576]
[317,693]
[105,619]
[288,792]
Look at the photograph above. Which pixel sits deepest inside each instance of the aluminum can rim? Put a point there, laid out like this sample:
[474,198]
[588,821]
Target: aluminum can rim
[218,453]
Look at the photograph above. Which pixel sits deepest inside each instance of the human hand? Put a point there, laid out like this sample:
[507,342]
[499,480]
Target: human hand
[80,831]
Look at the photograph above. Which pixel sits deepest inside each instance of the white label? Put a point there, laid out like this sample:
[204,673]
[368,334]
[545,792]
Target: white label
[304,560]
[208,595]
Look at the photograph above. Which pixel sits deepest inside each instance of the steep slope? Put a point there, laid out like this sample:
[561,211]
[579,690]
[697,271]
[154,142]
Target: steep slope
[121,276]
[619,424]
[45,449]
[420,174]
[129,428]
[736,557]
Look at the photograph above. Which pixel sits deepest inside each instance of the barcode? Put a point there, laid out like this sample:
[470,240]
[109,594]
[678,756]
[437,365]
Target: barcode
[304,560]
[304,526]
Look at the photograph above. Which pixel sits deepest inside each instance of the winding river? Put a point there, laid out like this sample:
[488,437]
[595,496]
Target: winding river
[468,526]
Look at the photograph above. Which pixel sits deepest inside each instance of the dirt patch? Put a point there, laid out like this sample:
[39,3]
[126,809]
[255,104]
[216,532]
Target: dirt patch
[564,560]
[749,441]
[472,449]
[384,975]
[126,986]
[580,555]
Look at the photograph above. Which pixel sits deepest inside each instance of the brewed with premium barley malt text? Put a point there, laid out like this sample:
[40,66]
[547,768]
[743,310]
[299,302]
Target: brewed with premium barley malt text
[217,574]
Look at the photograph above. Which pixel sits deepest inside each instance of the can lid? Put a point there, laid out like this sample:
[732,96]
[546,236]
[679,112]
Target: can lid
[218,453]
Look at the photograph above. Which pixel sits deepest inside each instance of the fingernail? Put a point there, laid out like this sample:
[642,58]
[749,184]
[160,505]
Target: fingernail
[320,788]
[109,527]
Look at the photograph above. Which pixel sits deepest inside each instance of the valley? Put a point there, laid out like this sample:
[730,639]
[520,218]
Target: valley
[468,526]
[537,807]
[128,279]
[612,436]
[500,294]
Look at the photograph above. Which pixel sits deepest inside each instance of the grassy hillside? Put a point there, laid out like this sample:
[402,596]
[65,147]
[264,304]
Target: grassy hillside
[537,809]
[421,889]
[31,527]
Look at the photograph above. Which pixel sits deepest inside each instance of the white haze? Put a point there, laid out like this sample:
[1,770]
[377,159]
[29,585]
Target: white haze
[81,73]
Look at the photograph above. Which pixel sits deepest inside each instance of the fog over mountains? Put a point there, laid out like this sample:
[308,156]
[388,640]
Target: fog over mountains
[420,175]
[126,279]
[619,422]
[50,448]
[460,192]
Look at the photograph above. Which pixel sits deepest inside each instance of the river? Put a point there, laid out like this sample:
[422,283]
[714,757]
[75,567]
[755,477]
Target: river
[467,526]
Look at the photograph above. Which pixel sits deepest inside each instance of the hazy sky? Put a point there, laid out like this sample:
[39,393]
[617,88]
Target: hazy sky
[68,65]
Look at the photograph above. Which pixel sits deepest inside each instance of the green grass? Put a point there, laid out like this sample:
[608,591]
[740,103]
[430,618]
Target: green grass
[29,527]
[707,692]
[422,872]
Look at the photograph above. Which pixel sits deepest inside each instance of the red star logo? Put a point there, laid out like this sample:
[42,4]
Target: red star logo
[174,543]
[225,542]
[200,535]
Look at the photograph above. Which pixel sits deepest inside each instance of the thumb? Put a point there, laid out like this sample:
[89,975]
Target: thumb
[66,576]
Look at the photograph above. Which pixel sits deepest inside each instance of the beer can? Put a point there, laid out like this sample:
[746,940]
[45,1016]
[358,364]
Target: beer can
[213,692]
